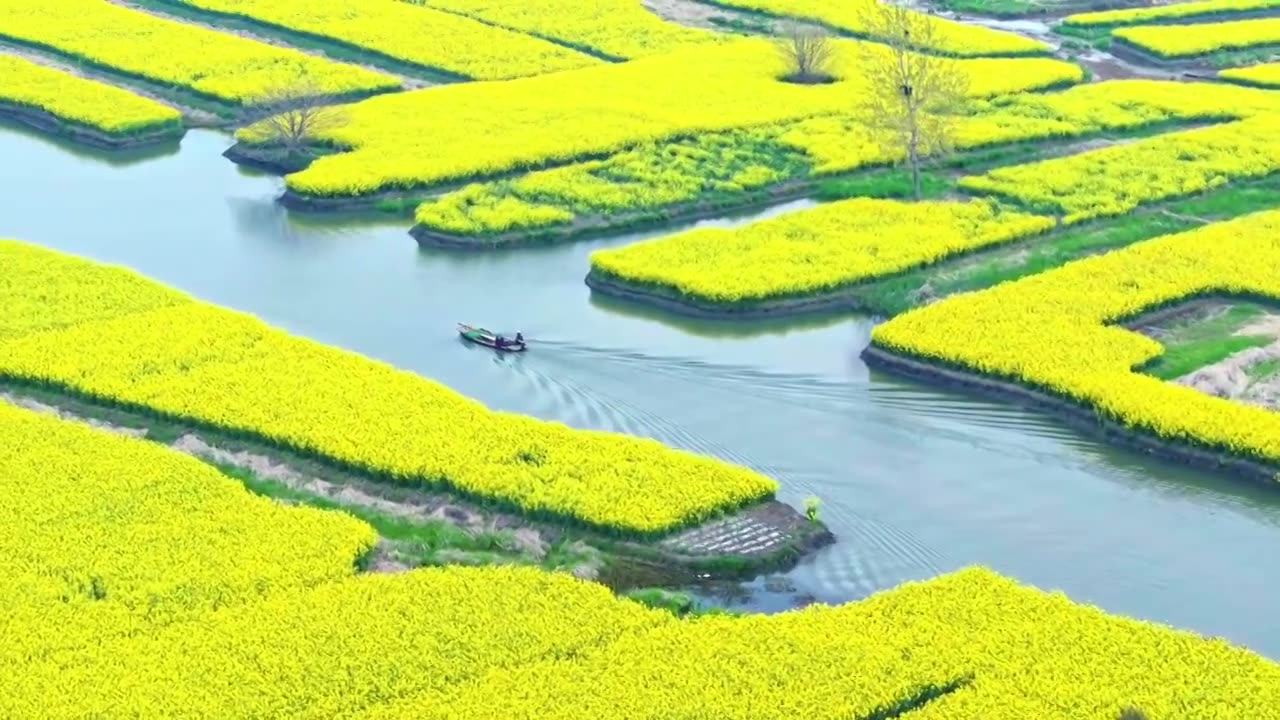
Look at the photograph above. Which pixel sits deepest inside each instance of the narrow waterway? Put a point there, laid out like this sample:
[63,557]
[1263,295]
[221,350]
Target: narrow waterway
[914,481]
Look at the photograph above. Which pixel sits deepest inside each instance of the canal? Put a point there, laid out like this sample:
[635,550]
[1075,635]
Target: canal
[913,480]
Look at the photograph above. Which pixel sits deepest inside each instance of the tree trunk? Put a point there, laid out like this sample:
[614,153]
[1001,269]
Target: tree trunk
[913,149]
[915,173]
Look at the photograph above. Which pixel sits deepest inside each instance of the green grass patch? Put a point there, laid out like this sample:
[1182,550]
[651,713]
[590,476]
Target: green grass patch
[1003,8]
[677,603]
[1195,342]
[882,184]
[1178,360]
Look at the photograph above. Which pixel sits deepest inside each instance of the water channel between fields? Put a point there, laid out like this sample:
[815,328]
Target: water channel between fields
[914,480]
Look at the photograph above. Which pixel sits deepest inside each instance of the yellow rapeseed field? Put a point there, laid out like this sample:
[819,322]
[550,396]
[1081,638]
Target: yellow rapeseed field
[1017,653]
[111,534]
[428,137]
[1054,331]
[1171,11]
[220,66]
[508,642]
[617,28]
[81,101]
[1116,179]
[655,176]
[331,651]
[420,36]
[953,37]
[160,351]
[139,582]
[812,251]
[1266,75]
[1180,41]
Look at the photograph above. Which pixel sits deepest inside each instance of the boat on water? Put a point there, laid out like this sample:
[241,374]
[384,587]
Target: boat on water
[481,336]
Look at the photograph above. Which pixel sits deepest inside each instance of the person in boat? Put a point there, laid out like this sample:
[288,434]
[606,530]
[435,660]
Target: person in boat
[519,338]
[499,341]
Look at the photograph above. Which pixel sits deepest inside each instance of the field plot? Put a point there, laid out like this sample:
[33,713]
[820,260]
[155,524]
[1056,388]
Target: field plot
[212,65]
[163,353]
[427,138]
[1053,332]
[1115,180]
[619,29]
[1189,41]
[965,645]
[954,38]
[434,41]
[109,534]
[98,113]
[659,181]
[1172,12]
[811,251]
[1266,75]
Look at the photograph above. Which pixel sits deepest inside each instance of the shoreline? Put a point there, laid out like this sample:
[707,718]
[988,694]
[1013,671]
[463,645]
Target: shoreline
[1076,416]
[846,300]
[763,536]
[48,122]
[595,227]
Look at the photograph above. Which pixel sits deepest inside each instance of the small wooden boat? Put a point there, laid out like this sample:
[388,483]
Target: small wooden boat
[481,336]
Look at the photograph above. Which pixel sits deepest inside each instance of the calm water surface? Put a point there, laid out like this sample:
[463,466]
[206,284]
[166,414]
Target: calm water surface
[915,481]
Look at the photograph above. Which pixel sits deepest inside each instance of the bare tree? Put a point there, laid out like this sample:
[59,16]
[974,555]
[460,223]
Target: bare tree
[295,117]
[912,98]
[808,52]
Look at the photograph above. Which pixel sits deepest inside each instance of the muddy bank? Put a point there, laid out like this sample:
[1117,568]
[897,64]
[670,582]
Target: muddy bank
[275,160]
[1076,416]
[47,122]
[1199,67]
[763,537]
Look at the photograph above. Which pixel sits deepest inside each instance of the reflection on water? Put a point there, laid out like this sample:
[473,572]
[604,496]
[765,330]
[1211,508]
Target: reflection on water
[118,158]
[913,480]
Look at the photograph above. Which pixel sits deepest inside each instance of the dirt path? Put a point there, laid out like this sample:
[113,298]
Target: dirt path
[764,536]
[690,13]
[1250,376]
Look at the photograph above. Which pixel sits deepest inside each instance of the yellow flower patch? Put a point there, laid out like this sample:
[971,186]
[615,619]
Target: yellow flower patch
[812,251]
[1054,331]
[220,66]
[1116,179]
[953,38]
[182,358]
[81,101]
[1171,11]
[461,132]
[410,33]
[618,28]
[1181,41]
